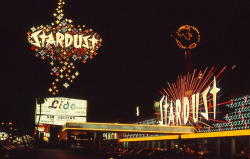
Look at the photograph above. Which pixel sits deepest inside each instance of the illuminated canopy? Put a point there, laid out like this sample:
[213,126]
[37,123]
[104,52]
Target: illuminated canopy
[113,127]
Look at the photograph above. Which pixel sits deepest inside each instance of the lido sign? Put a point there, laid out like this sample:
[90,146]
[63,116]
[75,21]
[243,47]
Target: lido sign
[181,112]
[59,110]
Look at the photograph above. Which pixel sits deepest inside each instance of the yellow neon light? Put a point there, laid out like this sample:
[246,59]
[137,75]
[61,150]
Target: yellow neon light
[193,136]
[217,134]
[169,137]
[207,124]
[188,37]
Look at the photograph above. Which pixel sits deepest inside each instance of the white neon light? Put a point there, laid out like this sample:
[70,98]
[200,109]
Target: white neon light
[137,111]
[204,95]
[214,91]
[161,123]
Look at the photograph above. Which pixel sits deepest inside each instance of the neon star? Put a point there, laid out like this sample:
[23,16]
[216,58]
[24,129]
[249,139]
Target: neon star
[94,41]
[214,92]
[66,85]
[76,73]
[50,90]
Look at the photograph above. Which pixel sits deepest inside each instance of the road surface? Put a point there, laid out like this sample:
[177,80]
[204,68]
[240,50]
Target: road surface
[59,154]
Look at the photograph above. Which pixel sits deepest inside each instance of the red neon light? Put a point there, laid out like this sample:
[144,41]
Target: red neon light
[196,81]
[187,81]
[216,120]
[216,77]
[221,71]
[223,103]
[205,79]
[161,93]
[175,90]
[170,93]
[192,80]
[196,123]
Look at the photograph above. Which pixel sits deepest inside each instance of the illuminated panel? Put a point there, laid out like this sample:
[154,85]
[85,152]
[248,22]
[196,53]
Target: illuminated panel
[63,44]
[113,127]
[59,110]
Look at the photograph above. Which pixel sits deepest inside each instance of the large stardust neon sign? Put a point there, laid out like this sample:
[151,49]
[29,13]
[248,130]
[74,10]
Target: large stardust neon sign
[63,44]
[180,113]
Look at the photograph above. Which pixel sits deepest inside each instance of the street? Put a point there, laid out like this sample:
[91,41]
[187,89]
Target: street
[58,154]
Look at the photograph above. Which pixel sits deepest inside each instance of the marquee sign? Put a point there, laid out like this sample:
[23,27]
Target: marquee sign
[63,44]
[59,110]
[192,100]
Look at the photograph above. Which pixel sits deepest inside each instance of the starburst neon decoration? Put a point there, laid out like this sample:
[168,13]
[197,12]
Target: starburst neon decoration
[63,44]
[191,100]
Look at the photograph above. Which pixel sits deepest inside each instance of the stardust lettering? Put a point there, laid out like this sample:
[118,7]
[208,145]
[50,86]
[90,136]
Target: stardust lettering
[64,40]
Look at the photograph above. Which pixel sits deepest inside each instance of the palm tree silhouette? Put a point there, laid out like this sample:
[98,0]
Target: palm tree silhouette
[40,101]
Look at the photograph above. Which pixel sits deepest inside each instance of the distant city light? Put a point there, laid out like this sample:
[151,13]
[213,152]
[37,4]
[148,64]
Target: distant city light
[233,67]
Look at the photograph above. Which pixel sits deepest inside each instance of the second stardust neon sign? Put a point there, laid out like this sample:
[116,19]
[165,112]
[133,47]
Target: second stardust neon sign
[180,114]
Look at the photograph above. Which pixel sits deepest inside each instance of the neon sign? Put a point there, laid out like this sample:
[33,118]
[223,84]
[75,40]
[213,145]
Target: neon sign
[59,110]
[63,44]
[187,37]
[192,100]
[182,112]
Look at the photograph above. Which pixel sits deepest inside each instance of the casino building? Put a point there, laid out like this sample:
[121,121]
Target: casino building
[225,135]
[199,122]
[189,115]
[224,138]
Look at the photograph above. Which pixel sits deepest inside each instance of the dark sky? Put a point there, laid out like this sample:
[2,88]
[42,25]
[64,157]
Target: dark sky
[137,57]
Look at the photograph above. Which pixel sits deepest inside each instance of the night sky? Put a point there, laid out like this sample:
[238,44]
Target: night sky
[137,57]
